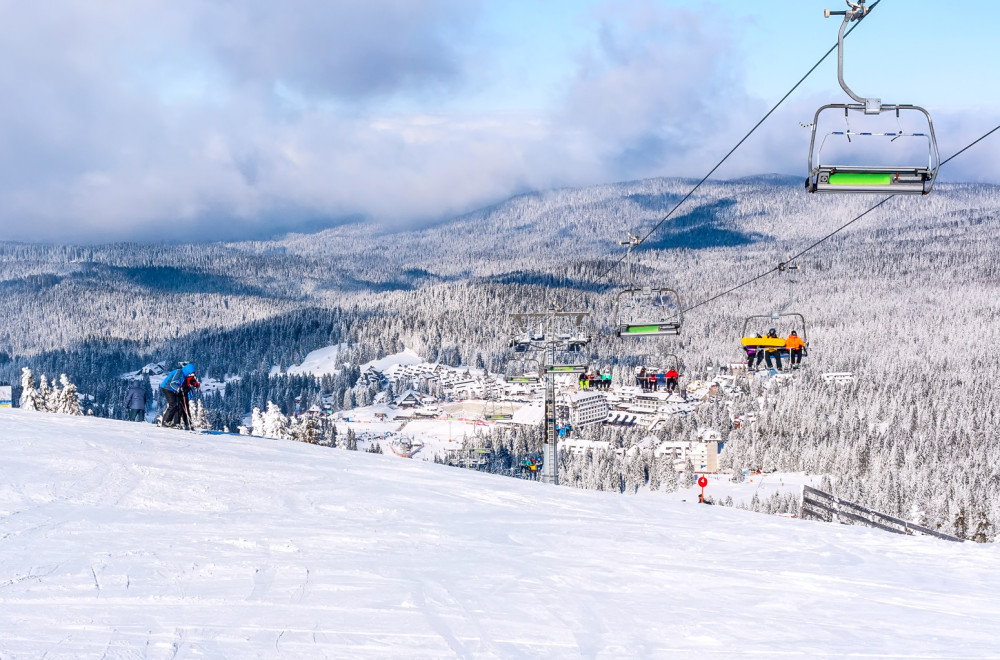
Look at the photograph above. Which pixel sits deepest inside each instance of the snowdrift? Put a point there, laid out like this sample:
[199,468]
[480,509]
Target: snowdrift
[124,540]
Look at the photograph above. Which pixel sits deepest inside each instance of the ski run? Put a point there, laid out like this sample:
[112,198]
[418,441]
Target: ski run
[122,540]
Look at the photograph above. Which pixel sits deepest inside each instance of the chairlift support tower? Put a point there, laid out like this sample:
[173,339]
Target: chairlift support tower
[560,340]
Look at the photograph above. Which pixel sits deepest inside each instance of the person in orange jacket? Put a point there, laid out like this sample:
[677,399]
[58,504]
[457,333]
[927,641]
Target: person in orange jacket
[794,344]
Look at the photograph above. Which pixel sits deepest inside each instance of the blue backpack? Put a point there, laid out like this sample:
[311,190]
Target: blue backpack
[173,381]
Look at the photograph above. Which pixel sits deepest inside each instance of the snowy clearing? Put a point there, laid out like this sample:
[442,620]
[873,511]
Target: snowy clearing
[125,540]
[322,362]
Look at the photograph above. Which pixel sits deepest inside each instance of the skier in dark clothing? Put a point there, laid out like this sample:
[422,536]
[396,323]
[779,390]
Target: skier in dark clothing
[754,354]
[173,389]
[135,402]
[189,384]
[772,352]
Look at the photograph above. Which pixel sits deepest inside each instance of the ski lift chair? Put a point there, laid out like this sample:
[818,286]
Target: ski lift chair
[762,342]
[908,178]
[648,312]
[526,373]
[661,364]
[566,369]
[645,311]
[496,410]
[521,343]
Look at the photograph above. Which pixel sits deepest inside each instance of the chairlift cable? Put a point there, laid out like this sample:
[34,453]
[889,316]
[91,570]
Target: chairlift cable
[971,144]
[834,232]
[738,145]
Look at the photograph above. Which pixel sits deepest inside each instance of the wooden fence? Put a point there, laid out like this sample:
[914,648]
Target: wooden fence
[817,505]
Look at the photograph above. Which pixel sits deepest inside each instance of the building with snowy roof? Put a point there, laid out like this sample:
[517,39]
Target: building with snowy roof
[704,455]
[583,408]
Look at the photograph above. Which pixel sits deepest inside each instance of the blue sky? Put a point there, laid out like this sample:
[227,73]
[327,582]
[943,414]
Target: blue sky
[199,119]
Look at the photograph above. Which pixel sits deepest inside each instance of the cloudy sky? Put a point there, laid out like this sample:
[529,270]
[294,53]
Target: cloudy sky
[208,119]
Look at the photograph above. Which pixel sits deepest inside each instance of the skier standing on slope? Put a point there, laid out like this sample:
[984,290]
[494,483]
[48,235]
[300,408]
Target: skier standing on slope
[190,382]
[171,389]
[135,402]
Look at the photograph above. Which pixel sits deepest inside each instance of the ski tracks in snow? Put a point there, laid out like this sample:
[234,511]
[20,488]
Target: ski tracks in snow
[438,605]
[301,591]
[263,578]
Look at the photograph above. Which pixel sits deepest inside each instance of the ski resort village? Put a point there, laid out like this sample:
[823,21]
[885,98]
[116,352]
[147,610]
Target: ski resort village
[440,411]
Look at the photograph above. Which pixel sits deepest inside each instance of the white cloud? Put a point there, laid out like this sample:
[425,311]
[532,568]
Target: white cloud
[199,119]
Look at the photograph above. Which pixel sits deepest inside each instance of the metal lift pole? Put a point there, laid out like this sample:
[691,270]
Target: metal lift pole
[550,453]
[559,339]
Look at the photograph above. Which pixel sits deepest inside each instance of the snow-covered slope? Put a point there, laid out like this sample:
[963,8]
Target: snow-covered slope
[320,362]
[406,357]
[123,540]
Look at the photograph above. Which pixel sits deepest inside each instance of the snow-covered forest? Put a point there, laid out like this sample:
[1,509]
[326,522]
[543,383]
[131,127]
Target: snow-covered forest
[905,299]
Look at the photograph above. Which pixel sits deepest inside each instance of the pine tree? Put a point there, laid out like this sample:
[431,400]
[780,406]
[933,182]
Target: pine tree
[668,475]
[199,418]
[327,433]
[308,430]
[275,424]
[46,398]
[983,531]
[689,476]
[30,398]
[257,423]
[654,473]
[351,441]
[67,401]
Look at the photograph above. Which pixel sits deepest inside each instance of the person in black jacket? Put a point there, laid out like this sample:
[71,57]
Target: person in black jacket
[190,382]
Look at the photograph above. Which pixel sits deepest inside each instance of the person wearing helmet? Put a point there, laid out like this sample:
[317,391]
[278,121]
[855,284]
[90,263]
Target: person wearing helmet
[772,351]
[190,383]
[795,345]
[173,389]
[755,354]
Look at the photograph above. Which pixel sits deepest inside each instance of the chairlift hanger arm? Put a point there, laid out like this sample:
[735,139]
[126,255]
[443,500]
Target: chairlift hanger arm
[872,106]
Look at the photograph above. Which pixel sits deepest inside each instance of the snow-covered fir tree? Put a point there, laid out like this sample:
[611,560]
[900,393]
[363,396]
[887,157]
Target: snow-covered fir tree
[48,396]
[67,400]
[30,397]
[257,423]
[199,418]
